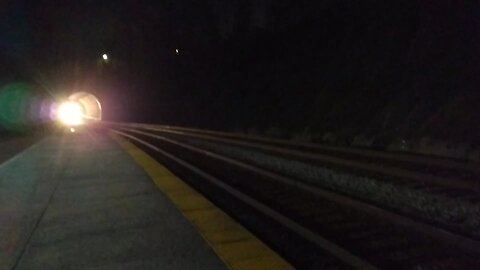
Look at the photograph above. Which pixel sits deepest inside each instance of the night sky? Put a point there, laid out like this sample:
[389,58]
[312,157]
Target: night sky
[346,68]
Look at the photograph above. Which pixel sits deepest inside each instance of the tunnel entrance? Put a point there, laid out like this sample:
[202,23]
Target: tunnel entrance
[92,109]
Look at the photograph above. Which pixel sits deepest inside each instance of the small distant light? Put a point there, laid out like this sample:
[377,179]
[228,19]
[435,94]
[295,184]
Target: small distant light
[72,130]
[176,50]
[105,56]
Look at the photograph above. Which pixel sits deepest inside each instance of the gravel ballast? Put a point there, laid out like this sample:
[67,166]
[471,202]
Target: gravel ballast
[459,213]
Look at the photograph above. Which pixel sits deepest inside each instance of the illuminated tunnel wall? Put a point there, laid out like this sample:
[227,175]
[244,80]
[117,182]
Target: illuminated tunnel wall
[91,105]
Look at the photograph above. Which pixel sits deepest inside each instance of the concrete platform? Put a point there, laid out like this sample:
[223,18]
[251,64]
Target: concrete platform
[78,201]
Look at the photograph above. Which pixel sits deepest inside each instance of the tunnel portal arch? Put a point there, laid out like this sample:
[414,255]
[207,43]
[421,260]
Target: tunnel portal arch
[90,104]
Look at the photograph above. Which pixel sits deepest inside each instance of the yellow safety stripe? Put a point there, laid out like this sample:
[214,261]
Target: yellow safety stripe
[235,245]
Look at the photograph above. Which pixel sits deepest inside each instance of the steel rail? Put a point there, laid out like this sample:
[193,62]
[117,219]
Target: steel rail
[385,171]
[415,158]
[337,251]
[467,244]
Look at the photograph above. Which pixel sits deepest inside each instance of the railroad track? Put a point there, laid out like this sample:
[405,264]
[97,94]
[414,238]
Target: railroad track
[347,232]
[402,182]
[430,170]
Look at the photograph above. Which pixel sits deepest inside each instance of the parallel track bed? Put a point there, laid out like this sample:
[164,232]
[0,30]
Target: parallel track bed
[375,240]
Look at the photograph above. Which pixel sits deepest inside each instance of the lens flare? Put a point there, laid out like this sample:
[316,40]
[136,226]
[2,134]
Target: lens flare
[14,101]
[70,113]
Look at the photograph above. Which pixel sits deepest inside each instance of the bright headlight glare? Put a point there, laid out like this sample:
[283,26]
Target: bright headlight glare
[70,113]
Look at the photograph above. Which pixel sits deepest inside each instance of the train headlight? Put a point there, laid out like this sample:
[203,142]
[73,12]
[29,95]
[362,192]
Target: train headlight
[70,113]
